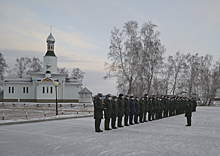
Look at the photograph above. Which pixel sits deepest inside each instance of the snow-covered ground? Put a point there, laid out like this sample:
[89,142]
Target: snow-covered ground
[14,112]
[76,137]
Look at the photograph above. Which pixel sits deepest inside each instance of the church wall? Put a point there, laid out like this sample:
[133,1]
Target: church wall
[53,62]
[71,91]
[18,91]
[47,93]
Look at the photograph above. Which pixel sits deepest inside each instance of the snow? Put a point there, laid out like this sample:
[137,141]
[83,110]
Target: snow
[16,112]
[164,137]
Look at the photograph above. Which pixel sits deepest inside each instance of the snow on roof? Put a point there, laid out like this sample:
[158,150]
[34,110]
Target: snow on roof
[85,91]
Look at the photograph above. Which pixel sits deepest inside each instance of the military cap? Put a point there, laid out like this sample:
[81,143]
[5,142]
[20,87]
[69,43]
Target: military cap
[108,95]
[131,96]
[114,97]
[145,94]
[120,95]
[99,94]
[126,95]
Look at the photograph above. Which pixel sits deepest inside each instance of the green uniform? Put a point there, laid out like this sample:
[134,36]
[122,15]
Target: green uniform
[146,109]
[188,112]
[126,111]
[108,113]
[142,110]
[98,113]
[114,113]
[120,111]
[154,108]
[137,113]
[150,110]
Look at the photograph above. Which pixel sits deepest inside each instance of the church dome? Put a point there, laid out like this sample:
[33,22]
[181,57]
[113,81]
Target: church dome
[50,38]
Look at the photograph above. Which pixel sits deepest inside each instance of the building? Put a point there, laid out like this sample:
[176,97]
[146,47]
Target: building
[39,86]
[85,96]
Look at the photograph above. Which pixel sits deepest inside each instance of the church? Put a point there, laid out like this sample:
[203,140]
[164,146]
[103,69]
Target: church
[39,86]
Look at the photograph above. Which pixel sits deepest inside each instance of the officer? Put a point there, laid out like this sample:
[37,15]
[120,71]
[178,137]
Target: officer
[149,109]
[188,112]
[107,111]
[137,107]
[120,110]
[153,108]
[194,104]
[146,101]
[126,109]
[98,112]
[142,110]
[132,110]
[165,107]
[114,111]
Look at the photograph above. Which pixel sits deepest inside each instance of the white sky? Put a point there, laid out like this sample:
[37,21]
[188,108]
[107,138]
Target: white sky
[82,30]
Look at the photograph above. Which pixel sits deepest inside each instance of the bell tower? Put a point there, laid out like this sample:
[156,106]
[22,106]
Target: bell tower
[50,55]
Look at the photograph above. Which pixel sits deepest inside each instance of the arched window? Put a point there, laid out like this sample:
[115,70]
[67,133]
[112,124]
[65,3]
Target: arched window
[51,90]
[47,89]
[43,90]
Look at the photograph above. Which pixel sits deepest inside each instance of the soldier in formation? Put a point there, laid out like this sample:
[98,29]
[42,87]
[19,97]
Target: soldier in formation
[135,110]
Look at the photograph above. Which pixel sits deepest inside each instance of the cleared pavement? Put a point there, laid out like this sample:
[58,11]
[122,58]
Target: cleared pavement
[164,137]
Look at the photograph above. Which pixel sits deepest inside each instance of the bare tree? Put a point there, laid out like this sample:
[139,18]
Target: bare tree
[77,74]
[3,66]
[36,65]
[22,66]
[62,70]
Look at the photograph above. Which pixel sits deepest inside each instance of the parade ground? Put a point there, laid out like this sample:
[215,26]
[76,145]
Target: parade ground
[76,137]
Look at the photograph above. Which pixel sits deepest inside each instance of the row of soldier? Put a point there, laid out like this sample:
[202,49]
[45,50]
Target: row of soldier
[135,110]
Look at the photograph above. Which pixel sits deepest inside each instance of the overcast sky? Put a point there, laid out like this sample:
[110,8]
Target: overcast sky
[82,30]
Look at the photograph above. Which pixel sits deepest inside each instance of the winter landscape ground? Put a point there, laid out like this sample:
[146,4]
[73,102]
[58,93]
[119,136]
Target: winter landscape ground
[164,137]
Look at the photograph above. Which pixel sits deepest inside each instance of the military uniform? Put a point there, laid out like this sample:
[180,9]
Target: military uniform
[108,112]
[188,112]
[154,108]
[146,102]
[120,110]
[137,113]
[149,109]
[126,110]
[142,110]
[98,113]
[114,112]
[132,110]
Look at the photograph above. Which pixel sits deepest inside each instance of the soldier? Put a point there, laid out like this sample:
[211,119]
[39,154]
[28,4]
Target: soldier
[153,108]
[127,110]
[98,112]
[146,108]
[165,107]
[149,109]
[107,111]
[142,110]
[137,113]
[120,110]
[114,111]
[194,104]
[157,103]
[188,112]
[132,110]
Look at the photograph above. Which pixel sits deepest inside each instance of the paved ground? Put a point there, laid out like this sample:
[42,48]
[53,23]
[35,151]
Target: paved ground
[165,137]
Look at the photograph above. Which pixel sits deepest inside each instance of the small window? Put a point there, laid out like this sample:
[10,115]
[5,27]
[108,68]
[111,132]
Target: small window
[9,89]
[51,90]
[12,90]
[47,89]
[23,89]
[43,89]
[26,89]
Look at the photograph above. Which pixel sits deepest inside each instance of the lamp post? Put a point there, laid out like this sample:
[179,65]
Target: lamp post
[56,84]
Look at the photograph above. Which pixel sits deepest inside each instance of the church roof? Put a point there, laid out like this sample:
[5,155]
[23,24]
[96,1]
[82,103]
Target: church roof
[50,53]
[50,38]
[85,91]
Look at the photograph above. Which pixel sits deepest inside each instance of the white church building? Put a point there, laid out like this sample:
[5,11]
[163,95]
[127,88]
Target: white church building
[39,86]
